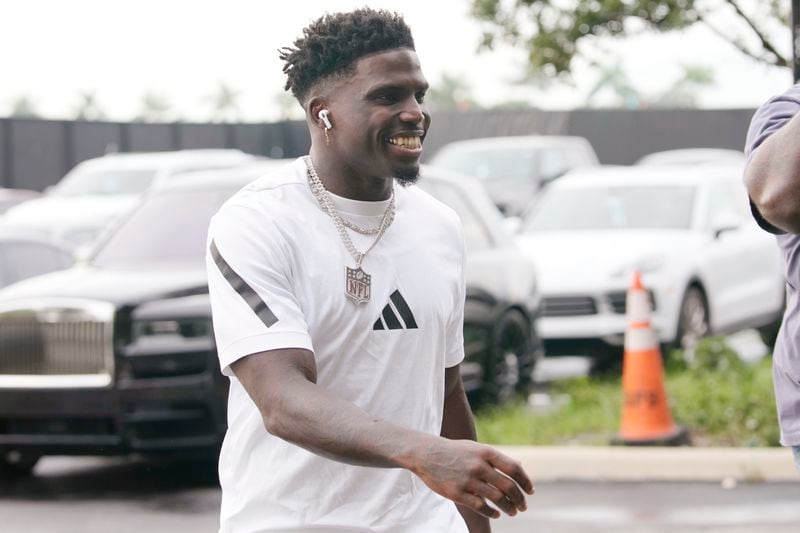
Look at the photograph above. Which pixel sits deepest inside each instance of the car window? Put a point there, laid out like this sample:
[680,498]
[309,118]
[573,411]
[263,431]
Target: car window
[724,205]
[617,207]
[104,182]
[552,163]
[21,260]
[490,163]
[167,229]
[476,235]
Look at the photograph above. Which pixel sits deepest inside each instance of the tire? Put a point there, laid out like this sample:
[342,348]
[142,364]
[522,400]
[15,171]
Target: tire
[509,355]
[693,322]
[15,465]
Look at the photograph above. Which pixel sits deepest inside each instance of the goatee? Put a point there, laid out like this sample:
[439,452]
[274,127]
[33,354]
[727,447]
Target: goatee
[406,176]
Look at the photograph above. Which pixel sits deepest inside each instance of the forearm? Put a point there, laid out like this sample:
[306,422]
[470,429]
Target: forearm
[309,416]
[772,177]
[458,423]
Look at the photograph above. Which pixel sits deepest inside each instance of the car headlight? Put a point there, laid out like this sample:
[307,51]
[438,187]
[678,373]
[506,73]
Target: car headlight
[646,265]
[184,327]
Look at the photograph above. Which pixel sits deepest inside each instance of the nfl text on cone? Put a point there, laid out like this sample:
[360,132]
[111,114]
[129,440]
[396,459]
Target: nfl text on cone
[646,417]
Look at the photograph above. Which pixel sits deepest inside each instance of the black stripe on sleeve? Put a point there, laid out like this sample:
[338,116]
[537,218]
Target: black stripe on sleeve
[402,308]
[259,306]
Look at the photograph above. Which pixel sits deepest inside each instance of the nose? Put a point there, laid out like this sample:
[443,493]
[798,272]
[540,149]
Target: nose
[413,112]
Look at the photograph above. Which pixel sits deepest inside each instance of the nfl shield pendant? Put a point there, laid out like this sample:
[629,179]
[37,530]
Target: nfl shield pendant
[357,284]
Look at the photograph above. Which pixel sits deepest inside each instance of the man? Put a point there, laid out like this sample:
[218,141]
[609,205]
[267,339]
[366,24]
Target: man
[338,306]
[772,177]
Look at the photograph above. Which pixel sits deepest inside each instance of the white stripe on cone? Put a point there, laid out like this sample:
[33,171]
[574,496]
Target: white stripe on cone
[639,339]
[638,306]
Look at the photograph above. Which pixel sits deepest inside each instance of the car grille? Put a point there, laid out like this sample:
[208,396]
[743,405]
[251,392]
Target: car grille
[568,306]
[618,301]
[55,340]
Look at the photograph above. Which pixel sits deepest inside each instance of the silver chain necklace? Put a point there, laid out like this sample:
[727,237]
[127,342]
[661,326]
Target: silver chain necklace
[357,283]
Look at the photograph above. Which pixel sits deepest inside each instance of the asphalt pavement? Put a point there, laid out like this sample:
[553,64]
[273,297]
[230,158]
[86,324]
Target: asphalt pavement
[90,495]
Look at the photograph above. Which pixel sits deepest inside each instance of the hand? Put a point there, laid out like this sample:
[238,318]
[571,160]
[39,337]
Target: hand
[470,474]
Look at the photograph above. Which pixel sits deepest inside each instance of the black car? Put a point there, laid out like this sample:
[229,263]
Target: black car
[117,355]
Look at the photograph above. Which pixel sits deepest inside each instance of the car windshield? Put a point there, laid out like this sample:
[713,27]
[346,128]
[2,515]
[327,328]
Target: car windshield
[617,207]
[166,230]
[104,182]
[489,163]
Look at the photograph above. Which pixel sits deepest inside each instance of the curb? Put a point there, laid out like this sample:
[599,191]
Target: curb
[546,463]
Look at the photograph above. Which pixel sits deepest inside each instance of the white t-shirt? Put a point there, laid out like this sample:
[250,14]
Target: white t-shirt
[276,268]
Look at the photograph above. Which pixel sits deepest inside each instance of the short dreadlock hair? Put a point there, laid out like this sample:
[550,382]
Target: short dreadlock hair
[331,46]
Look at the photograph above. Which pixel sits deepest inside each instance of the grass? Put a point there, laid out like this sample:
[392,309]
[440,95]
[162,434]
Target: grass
[721,400]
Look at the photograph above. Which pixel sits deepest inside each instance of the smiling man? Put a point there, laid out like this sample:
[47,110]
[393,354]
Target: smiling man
[337,290]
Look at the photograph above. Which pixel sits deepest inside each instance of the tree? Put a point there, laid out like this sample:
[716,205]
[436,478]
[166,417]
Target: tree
[552,30]
[88,107]
[154,108]
[615,78]
[22,106]
[683,92]
[450,93]
[224,103]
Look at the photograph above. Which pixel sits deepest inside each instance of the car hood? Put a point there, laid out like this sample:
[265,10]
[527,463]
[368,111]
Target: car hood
[54,213]
[571,259]
[120,287]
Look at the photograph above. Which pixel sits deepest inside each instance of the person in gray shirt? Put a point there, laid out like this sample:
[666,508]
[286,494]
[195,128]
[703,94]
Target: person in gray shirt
[772,177]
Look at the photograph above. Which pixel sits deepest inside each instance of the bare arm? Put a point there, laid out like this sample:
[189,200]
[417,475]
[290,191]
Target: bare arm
[772,177]
[282,384]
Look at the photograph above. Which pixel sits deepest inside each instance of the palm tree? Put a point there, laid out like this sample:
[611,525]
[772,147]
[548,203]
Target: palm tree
[88,108]
[683,93]
[615,78]
[23,106]
[154,108]
[224,103]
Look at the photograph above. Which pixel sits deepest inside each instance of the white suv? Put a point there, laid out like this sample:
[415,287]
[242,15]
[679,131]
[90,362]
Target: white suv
[514,169]
[97,191]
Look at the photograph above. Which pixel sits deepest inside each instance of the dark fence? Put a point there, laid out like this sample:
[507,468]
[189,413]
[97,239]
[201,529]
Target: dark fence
[37,153]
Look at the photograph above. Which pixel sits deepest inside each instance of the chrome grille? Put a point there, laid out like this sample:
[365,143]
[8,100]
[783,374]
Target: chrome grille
[568,306]
[55,340]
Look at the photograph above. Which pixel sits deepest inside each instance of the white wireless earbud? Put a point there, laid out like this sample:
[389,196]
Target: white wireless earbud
[323,116]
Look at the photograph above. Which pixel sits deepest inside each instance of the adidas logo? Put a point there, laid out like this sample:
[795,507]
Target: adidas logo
[395,314]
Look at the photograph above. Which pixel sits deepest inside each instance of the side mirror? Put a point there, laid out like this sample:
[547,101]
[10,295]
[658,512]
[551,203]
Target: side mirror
[724,224]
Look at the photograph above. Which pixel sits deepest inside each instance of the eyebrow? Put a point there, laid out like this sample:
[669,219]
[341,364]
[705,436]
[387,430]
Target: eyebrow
[395,87]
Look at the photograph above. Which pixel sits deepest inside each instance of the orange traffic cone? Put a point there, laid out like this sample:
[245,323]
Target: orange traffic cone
[646,418]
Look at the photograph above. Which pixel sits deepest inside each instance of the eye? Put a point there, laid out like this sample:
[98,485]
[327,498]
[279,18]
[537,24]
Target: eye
[386,98]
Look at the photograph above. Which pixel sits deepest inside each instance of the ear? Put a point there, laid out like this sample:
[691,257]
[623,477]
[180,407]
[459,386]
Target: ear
[314,106]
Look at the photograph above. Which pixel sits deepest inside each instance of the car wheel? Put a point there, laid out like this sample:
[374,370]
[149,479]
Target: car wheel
[14,465]
[509,354]
[693,323]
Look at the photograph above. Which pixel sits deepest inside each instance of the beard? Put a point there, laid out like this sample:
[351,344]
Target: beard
[406,176]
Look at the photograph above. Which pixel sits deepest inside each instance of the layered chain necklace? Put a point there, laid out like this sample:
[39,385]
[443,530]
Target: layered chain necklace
[357,283]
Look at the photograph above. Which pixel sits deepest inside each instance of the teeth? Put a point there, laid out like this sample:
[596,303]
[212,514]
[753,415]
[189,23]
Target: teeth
[406,142]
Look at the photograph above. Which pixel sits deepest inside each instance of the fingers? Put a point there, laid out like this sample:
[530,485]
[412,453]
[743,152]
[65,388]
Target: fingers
[509,490]
[497,497]
[513,469]
[479,505]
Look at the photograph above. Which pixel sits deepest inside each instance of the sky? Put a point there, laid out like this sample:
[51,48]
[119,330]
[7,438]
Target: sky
[120,50]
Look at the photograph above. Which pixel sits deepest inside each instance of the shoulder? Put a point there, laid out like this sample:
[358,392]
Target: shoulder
[265,210]
[268,197]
